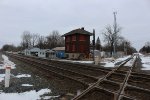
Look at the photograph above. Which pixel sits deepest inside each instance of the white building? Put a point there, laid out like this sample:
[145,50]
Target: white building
[35,52]
[26,52]
[51,54]
[43,53]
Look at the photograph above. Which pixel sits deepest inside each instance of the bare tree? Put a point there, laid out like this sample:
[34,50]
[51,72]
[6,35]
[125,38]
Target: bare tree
[26,39]
[123,45]
[8,47]
[147,44]
[55,39]
[145,48]
[41,42]
[112,36]
[34,39]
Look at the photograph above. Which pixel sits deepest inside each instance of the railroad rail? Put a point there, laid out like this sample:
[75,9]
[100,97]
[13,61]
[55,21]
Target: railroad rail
[119,83]
[83,78]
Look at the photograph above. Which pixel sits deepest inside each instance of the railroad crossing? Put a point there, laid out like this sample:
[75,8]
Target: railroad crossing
[119,83]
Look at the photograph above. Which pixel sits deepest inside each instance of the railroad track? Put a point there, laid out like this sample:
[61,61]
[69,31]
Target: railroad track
[82,69]
[119,83]
[79,77]
[81,73]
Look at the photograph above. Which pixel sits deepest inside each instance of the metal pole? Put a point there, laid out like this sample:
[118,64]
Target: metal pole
[114,36]
[93,45]
[125,48]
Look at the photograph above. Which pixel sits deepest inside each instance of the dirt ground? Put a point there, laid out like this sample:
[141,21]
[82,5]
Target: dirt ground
[59,86]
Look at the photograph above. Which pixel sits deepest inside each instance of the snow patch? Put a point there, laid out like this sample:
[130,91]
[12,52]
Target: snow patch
[110,62]
[2,77]
[7,62]
[146,67]
[88,62]
[76,61]
[49,97]
[26,85]
[23,75]
[145,62]
[122,59]
[129,63]
[29,95]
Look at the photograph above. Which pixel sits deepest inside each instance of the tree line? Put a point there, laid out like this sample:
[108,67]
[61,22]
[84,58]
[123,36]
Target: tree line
[30,40]
[145,48]
[114,41]
[54,39]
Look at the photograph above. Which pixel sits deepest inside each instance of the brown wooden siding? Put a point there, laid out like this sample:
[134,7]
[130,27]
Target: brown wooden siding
[77,43]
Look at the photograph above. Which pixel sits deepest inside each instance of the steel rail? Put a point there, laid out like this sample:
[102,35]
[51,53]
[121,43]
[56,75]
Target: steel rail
[90,76]
[70,63]
[50,66]
[123,86]
[100,80]
[121,91]
[35,64]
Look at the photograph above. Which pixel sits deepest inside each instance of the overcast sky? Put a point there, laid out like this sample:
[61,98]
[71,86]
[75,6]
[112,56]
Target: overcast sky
[43,16]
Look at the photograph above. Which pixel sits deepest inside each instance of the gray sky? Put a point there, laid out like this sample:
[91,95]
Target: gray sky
[43,16]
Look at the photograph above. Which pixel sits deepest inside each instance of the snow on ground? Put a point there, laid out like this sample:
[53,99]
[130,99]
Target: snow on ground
[26,85]
[88,62]
[29,95]
[139,54]
[48,97]
[2,77]
[75,61]
[7,62]
[122,58]
[129,63]
[110,62]
[23,75]
[145,62]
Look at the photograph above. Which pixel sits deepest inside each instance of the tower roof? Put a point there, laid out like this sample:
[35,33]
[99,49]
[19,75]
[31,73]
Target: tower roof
[78,31]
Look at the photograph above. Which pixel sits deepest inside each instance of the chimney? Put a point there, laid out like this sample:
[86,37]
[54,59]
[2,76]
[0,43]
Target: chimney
[82,28]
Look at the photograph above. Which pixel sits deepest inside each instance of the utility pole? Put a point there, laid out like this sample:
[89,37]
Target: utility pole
[125,48]
[114,36]
[93,45]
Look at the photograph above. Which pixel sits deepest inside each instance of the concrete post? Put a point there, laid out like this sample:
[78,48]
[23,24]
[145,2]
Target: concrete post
[7,76]
[97,58]
[78,92]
